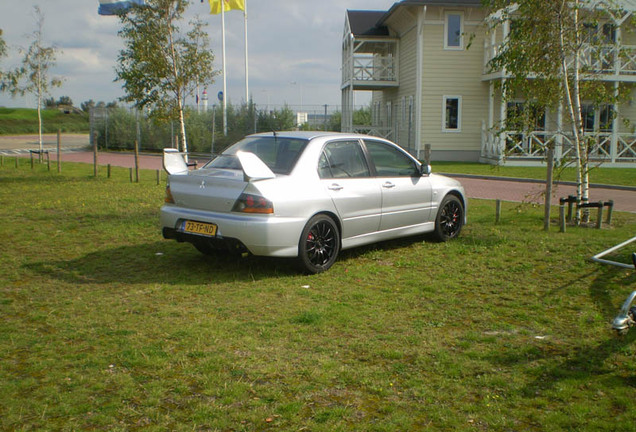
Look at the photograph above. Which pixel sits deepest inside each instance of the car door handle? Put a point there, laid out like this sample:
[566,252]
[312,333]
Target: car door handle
[388,185]
[335,187]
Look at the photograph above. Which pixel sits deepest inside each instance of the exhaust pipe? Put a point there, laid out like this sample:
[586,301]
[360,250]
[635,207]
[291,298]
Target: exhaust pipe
[627,316]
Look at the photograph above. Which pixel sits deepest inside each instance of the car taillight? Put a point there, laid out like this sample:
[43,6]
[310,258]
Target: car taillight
[249,203]
[169,199]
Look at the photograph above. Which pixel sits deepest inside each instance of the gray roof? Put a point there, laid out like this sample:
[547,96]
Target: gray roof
[455,3]
[365,23]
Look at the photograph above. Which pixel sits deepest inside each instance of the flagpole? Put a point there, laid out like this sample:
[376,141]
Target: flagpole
[224,69]
[247,85]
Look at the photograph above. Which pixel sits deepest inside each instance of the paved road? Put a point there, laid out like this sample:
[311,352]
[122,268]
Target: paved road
[506,190]
[19,144]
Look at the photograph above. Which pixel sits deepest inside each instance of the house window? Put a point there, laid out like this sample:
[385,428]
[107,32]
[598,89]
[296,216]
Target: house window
[522,116]
[453,31]
[452,120]
[599,119]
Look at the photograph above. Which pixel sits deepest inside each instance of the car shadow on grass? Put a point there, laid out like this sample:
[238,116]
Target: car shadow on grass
[169,262]
[162,262]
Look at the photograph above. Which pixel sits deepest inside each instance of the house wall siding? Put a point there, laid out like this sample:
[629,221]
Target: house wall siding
[453,73]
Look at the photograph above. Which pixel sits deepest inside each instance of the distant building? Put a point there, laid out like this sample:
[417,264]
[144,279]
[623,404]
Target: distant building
[428,88]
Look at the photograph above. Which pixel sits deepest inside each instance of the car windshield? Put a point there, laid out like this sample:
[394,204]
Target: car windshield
[279,154]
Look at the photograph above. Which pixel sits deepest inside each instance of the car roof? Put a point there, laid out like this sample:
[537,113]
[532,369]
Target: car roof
[309,135]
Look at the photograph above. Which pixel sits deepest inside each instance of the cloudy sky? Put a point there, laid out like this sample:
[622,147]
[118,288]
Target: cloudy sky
[294,48]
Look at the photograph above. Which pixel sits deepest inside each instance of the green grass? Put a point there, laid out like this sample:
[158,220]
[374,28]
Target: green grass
[106,326]
[15,121]
[599,175]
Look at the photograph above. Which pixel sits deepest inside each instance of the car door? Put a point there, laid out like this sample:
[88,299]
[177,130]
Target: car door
[406,195]
[345,175]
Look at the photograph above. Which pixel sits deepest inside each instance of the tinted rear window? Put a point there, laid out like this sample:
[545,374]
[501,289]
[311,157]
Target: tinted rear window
[279,154]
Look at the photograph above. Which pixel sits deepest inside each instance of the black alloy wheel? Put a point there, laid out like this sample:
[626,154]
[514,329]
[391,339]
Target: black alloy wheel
[319,244]
[450,219]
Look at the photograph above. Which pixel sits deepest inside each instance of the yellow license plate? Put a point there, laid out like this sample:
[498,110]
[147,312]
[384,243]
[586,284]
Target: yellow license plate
[201,228]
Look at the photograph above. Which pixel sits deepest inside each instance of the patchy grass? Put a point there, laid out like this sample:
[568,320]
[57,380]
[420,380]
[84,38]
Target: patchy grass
[106,326]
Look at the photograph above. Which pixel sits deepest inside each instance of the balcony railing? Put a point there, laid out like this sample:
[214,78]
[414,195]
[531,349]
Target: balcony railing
[594,59]
[370,69]
[511,145]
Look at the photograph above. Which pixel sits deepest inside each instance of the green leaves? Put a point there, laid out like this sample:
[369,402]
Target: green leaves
[161,65]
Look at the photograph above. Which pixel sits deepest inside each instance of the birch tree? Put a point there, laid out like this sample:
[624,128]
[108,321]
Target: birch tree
[33,76]
[160,65]
[550,59]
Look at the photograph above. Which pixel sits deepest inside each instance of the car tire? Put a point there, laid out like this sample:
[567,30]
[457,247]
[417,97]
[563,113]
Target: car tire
[449,220]
[319,244]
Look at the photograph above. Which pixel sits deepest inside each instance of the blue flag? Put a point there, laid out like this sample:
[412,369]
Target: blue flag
[113,7]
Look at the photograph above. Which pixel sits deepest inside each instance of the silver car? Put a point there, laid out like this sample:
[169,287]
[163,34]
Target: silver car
[307,195]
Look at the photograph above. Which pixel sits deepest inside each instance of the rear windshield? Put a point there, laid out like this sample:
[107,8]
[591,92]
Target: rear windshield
[279,154]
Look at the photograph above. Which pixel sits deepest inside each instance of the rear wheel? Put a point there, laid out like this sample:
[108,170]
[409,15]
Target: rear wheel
[319,244]
[450,219]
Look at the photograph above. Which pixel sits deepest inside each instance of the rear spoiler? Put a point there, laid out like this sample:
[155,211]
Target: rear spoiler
[173,162]
[253,167]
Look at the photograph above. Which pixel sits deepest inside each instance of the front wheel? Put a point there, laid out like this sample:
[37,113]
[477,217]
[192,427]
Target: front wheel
[450,219]
[319,244]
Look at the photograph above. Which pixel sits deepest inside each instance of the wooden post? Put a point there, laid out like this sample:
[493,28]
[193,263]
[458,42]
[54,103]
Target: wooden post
[48,161]
[610,210]
[95,154]
[131,174]
[562,218]
[31,160]
[136,161]
[599,222]
[548,189]
[158,177]
[498,211]
[16,162]
[108,170]
[427,154]
[59,151]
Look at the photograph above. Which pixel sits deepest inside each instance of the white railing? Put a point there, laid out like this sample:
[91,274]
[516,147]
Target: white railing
[594,59]
[512,145]
[370,68]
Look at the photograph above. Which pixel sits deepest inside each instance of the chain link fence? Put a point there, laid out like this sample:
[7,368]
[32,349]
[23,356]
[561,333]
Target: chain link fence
[119,128]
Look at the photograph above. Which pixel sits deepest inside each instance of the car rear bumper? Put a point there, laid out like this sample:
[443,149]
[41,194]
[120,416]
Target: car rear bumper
[264,235]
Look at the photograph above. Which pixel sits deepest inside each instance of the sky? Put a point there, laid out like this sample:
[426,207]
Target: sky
[294,49]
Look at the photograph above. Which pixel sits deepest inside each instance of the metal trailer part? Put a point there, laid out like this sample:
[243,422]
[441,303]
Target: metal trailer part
[598,257]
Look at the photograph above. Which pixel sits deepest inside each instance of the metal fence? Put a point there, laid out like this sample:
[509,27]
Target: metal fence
[120,128]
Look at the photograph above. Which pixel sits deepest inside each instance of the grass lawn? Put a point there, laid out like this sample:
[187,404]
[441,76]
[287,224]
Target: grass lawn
[104,325]
[16,121]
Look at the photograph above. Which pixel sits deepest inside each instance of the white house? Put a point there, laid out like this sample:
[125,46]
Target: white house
[425,62]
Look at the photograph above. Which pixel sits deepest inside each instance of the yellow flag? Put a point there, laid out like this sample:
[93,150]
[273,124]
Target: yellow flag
[228,5]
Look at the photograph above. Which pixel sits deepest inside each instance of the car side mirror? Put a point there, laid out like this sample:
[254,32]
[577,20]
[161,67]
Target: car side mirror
[425,169]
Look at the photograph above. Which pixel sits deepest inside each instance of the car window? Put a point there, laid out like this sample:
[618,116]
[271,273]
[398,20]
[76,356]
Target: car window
[343,159]
[279,154]
[390,161]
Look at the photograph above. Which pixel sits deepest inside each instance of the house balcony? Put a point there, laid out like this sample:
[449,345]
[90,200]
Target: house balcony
[370,63]
[370,72]
[607,62]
